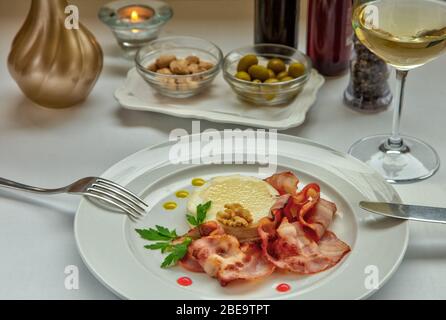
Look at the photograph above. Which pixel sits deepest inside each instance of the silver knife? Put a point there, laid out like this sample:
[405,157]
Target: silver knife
[406,212]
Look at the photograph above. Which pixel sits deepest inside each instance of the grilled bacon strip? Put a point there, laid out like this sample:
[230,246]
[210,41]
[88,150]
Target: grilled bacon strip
[222,257]
[290,248]
[284,183]
[295,238]
[206,229]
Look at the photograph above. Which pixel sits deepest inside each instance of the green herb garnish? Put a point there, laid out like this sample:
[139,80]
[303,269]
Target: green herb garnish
[202,211]
[158,234]
[165,238]
[163,246]
[177,252]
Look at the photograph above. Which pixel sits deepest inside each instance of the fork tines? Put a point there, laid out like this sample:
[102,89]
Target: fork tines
[119,196]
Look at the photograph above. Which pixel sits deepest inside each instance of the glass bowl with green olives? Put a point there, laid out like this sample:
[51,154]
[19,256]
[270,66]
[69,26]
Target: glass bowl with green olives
[267,74]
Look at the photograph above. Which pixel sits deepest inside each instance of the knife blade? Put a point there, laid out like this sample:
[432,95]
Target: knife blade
[406,212]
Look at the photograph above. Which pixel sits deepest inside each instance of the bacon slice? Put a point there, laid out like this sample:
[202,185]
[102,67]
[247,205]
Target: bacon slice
[206,229]
[302,202]
[255,266]
[280,202]
[318,218]
[284,183]
[277,208]
[333,248]
[291,249]
[221,257]
[190,263]
[295,239]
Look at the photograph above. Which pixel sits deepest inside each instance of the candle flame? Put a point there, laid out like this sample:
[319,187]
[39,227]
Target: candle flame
[134,17]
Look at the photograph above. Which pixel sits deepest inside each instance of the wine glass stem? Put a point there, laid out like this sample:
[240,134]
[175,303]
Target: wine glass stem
[395,142]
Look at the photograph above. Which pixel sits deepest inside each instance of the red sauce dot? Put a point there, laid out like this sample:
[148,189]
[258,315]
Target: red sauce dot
[283,287]
[184,281]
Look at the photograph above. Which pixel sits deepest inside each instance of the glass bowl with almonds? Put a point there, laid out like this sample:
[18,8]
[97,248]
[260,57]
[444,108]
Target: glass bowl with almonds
[179,67]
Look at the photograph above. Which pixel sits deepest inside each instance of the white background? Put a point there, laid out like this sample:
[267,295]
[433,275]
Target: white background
[53,148]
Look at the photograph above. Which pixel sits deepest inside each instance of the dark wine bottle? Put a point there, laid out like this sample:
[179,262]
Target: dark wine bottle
[329,39]
[277,21]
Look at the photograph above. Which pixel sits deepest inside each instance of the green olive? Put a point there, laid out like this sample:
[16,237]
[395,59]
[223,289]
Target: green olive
[269,97]
[271,80]
[242,75]
[282,75]
[287,78]
[276,65]
[271,74]
[296,70]
[258,72]
[270,92]
[256,81]
[246,62]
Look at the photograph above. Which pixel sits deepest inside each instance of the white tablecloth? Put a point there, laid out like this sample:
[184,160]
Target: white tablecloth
[52,148]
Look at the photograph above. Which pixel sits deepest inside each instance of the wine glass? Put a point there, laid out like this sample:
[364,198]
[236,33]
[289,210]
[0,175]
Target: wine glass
[406,34]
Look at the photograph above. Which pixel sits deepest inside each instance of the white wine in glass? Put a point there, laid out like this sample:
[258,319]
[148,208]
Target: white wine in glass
[406,34]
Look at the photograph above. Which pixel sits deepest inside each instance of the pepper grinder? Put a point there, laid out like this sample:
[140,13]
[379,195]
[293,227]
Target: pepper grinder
[368,90]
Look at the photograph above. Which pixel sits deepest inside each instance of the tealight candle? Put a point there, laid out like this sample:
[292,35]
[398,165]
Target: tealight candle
[135,24]
[136,14]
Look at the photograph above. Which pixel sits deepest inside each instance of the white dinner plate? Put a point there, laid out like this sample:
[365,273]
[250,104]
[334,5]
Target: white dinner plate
[115,254]
[219,104]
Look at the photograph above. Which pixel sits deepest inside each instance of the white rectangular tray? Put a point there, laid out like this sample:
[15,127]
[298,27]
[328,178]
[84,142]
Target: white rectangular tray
[219,104]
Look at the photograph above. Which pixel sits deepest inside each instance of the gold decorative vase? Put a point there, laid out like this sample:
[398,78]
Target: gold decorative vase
[53,65]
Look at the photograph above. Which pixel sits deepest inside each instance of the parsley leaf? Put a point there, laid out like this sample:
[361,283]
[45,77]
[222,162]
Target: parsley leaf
[163,246]
[158,234]
[177,253]
[191,219]
[166,232]
[164,237]
[202,211]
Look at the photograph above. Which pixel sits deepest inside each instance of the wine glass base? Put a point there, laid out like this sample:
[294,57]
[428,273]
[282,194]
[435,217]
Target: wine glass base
[414,161]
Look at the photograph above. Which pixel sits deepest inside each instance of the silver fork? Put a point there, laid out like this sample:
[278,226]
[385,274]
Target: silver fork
[93,187]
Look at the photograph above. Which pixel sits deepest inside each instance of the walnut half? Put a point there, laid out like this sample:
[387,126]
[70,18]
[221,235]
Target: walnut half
[235,215]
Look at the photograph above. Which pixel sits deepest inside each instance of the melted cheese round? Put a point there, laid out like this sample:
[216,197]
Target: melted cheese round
[252,193]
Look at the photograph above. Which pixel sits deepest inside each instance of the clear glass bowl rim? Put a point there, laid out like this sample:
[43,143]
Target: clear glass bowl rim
[211,71]
[295,81]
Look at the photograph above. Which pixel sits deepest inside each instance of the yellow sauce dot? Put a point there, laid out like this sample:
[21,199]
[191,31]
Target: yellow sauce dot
[198,182]
[183,194]
[170,206]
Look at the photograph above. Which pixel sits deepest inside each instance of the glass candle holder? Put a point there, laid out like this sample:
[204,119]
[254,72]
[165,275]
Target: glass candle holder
[135,24]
